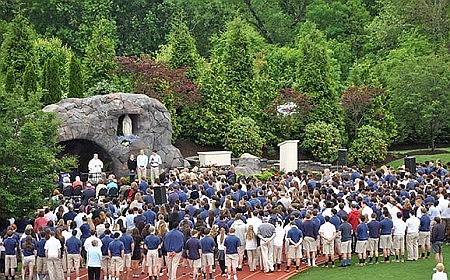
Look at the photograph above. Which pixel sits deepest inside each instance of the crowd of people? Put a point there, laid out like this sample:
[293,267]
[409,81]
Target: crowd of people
[216,220]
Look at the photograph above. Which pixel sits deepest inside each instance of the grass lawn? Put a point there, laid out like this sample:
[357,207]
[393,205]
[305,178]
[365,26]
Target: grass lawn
[444,157]
[418,270]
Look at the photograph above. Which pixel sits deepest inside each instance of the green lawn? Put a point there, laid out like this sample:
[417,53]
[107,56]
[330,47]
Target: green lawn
[418,270]
[444,157]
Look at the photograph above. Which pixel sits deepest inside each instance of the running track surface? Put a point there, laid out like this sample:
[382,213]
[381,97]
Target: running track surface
[245,274]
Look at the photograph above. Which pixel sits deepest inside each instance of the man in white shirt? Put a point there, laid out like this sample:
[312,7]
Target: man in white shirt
[327,233]
[240,230]
[412,237]
[155,162]
[278,245]
[142,161]
[95,168]
[399,237]
[53,254]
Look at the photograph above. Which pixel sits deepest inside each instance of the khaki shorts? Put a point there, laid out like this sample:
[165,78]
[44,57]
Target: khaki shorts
[106,262]
[372,245]
[231,260]
[424,238]
[385,242]
[309,244]
[195,263]
[117,264]
[28,261]
[208,259]
[346,247]
[127,260]
[361,246]
[328,247]
[10,262]
[337,241]
[153,258]
[73,260]
[41,265]
[294,252]
[398,242]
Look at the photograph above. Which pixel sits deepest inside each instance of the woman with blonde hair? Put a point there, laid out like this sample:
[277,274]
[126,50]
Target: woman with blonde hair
[250,247]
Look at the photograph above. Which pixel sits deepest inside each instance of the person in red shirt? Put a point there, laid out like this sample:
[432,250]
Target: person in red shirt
[353,220]
[40,221]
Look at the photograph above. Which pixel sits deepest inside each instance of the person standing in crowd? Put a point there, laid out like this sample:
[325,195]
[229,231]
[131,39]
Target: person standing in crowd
[106,260]
[439,274]
[412,237]
[294,239]
[346,242]
[132,167]
[231,245]
[250,247]
[94,261]
[310,233]
[266,233]
[11,246]
[437,239]
[73,250]
[208,246]
[41,262]
[424,235]
[155,162]
[193,253]
[128,244]
[398,241]
[374,238]
[136,255]
[173,244]
[386,227]
[362,235]
[152,244]
[116,254]
[95,167]
[240,230]
[142,161]
[278,242]
[53,254]
[327,232]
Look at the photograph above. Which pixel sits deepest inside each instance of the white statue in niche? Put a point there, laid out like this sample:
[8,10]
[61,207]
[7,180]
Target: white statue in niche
[127,126]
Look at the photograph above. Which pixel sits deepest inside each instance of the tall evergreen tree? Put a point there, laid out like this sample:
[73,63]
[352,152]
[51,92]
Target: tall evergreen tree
[76,84]
[51,82]
[16,49]
[10,80]
[100,53]
[29,81]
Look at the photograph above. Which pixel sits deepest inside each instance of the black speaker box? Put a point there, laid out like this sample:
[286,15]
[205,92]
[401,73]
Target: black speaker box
[410,164]
[342,157]
[160,195]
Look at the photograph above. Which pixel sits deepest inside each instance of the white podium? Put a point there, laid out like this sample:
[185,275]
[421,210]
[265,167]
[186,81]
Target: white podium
[218,158]
[288,155]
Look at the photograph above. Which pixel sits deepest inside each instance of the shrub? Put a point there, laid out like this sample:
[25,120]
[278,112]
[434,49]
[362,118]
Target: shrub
[322,140]
[369,146]
[243,137]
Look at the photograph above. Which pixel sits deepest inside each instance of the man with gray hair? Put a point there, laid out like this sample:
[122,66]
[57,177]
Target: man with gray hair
[266,232]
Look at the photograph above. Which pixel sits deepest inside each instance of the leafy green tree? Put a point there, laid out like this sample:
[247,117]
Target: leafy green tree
[28,155]
[51,82]
[100,53]
[369,147]
[244,137]
[16,49]
[76,84]
[30,80]
[322,140]
[10,80]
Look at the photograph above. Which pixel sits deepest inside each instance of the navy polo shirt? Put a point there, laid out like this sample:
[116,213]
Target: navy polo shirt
[193,247]
[41,247]
[425,222]
[374,229]
[28,251]
[10,246]
[362,232]
[173,241]
[73,245]
[386,226]
[346,231]
[336,221]
[85,231]
[207,244]
[116,247]
[294,234]
[127,241]
[152,242]
[232,242]
[105,244]
[309,228]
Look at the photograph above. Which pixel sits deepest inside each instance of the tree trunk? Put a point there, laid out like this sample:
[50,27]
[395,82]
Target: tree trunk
[259,23]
